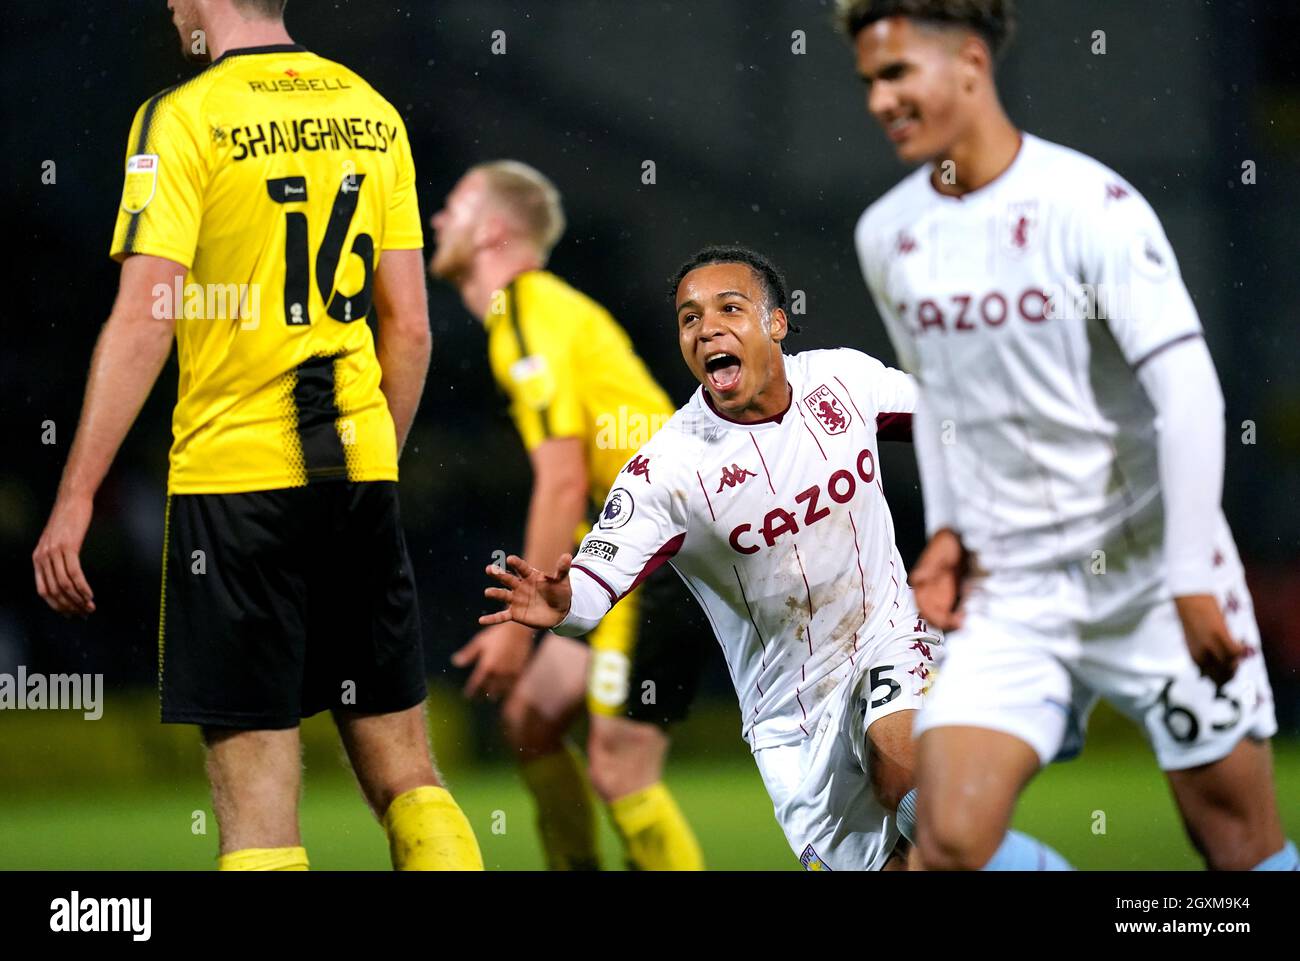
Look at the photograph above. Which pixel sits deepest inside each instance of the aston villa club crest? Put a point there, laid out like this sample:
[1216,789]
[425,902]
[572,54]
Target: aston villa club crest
[811,860]
[828,411]
[1021,230]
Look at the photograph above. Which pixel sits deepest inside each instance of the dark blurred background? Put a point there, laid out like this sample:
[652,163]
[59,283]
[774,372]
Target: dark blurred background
[752,142]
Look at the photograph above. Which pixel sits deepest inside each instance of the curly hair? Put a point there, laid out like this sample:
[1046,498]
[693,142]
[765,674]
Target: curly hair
[994,20]
[774,288]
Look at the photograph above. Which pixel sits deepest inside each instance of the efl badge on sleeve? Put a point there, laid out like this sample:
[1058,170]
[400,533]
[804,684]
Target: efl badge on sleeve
[534,382]
[828,411]
[141,182]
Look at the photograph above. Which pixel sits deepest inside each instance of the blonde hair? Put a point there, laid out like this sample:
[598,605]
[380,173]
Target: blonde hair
[531,197]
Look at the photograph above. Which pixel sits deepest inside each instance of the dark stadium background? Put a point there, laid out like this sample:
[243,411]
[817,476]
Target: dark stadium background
[751,142]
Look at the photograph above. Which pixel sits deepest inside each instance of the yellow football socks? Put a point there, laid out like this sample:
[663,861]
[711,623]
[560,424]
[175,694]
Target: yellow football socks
[655,832]
[566,813]
[264,859]
[427,831]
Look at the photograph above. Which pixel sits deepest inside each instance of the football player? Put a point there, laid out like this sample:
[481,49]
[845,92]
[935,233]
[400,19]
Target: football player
[764,492]
[582,402]
[1070,433]
[283,182]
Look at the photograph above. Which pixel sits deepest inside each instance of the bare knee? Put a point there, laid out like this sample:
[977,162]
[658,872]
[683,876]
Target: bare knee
[1230,838]
[968,780]
[624,756]
[527,730]
[953,840]
[1229,808]
[891,759]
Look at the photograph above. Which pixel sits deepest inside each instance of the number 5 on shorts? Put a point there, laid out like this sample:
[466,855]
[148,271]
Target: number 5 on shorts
[877,681]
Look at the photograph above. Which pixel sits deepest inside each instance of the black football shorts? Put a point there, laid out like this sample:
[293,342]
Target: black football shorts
[280,604]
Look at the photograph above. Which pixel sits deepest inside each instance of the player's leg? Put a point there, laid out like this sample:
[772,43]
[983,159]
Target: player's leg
[821,796]
[968,781]
[365,662]
[642,680]
[891,764]
[896,674]
[1211,742]
[535,719]
[255,778]
[1230,811]
[896,678]
[627,759]
[891,758]
[230,660]
[394,766]
[1001,706]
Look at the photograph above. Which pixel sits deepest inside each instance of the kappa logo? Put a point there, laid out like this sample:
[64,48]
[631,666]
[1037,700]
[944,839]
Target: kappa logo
[733,476]
[638,466]
[830,413]
[906,243]
[619,507]
[811,861]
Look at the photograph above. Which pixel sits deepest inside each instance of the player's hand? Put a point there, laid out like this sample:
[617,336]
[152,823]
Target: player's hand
[1211,646]
[530,596]
[57,558]
[498,654]
[937,580]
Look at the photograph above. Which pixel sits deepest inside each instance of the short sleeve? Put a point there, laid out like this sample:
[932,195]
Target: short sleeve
[163,185]
[1126,262]
[403,229]
[640,527]
[544,383]
[887,389]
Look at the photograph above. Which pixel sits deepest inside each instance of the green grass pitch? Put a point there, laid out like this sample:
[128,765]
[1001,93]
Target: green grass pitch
[130,829]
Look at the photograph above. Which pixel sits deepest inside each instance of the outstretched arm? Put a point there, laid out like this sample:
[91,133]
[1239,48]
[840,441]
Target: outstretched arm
[636,533]
[529,596]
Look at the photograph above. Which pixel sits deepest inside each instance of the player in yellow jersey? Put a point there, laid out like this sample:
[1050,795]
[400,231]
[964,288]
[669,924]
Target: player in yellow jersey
[269,208]
[583,402]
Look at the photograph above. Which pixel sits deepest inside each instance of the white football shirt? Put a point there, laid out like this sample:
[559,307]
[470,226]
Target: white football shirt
[1025,308]
[779,528]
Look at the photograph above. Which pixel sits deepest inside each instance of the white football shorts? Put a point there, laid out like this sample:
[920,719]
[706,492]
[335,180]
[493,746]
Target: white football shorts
[1038,648]
[820,787]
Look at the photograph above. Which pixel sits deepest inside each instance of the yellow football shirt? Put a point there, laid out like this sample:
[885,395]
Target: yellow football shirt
[276,177]
[570,370]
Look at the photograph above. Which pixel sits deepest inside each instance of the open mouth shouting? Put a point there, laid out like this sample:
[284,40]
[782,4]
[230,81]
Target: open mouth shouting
[722,370]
